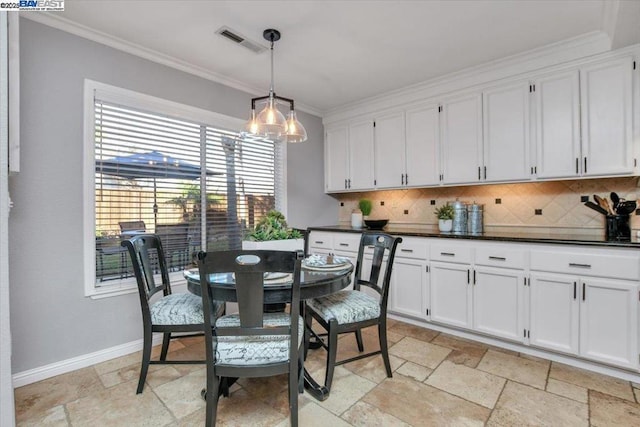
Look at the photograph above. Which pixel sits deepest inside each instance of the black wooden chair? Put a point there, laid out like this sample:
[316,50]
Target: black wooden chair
[252,343]
[351,310]
[172,312]
[175,242]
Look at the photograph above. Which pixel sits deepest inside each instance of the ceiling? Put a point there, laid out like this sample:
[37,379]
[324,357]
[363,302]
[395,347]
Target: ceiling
[333,53]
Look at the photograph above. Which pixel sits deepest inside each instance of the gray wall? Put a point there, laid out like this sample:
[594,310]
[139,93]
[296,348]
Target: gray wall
[50,317]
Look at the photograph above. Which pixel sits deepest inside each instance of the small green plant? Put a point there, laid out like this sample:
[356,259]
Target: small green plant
[273,226]
[445,212]
[365,206]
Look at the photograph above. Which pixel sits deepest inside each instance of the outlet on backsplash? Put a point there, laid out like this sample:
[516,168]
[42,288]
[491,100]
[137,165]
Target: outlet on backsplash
[505,205]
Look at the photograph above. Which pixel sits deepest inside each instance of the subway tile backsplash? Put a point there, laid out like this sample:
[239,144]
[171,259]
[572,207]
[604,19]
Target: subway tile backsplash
[505,205]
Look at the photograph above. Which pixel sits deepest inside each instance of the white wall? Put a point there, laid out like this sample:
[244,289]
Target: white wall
[51,320]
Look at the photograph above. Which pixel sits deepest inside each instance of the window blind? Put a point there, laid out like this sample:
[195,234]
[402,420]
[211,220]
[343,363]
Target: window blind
[195,185]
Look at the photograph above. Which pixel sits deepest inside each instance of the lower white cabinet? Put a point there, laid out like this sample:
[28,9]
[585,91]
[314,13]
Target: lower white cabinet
[408,294]
[595,318]
[451,294]
[498,302]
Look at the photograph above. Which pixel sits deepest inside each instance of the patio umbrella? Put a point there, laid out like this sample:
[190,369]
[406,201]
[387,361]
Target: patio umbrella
[150,165]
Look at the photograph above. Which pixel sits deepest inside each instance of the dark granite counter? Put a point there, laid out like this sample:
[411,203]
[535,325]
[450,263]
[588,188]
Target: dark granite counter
[511,236]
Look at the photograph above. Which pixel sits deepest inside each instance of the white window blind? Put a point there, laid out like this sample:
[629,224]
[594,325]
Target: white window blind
[189,182]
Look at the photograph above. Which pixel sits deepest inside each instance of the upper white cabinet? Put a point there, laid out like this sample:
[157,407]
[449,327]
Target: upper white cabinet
[506,133]
[606,91]
[390,150]
[337,158]
[349,151]
[422,146]
[557,125]
[461,120]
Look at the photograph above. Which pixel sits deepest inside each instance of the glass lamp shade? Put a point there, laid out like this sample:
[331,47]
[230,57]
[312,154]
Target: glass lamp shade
[271,123]
[251,126]
[295,131]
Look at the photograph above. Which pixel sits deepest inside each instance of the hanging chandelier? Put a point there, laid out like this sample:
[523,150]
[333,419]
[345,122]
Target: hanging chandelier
[270,123]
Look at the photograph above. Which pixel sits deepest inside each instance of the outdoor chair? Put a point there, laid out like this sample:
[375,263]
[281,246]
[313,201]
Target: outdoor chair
[132,227]
[252,343]
[352,310]
[172,312]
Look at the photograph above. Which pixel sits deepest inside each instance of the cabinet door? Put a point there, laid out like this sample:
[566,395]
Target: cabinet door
[422,146]
[408,284]
[609,322]
[554,312]
[557,108]
[606,91]
[450,294]
[462,139]
[361,155]
[506,133]
[498,302]
[337,159]
[389,158]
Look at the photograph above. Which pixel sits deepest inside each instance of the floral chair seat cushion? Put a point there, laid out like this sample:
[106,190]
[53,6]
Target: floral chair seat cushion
[254,349]
[177,309]
[346,306]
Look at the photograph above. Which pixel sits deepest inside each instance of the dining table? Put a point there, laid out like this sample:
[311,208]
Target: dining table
[314,282]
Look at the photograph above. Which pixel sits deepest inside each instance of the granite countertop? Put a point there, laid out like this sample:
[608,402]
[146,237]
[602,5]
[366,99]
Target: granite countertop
[503,236]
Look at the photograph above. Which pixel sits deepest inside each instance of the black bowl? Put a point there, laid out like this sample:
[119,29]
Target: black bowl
[376,224]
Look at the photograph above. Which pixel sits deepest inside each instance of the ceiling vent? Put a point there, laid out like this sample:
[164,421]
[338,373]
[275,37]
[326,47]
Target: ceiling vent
[237,38]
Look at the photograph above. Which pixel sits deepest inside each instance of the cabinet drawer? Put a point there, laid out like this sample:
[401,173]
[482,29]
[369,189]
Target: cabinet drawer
[413,248]
[501,256]
[449,252]
[620,265]
[321,240]
[349,242]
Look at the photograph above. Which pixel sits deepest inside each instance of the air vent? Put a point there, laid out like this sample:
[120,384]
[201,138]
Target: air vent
[237,38]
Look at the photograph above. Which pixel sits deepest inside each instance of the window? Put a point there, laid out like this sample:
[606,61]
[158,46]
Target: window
[176,171]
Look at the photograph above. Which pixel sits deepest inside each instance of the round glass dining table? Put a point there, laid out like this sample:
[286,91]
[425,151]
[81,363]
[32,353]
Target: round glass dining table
[313,283]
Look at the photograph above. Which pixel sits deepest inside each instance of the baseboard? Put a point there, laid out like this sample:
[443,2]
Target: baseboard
[62,367]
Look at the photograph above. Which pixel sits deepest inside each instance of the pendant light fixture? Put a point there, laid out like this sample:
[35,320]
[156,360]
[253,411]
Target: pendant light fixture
[270,123]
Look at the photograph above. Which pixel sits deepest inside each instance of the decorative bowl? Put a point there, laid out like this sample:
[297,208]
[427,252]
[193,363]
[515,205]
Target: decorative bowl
[376,224]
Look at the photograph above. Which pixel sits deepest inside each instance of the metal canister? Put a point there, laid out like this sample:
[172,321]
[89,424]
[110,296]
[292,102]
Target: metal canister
[475,218]
[459,216]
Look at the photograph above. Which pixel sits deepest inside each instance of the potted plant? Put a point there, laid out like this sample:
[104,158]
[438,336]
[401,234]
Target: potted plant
[365,206]
[272,232]
[445,217]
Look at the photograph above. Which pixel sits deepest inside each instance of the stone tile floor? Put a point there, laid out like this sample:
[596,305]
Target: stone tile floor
[438,380]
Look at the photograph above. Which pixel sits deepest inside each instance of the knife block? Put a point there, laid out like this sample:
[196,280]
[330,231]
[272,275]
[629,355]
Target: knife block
[618,227]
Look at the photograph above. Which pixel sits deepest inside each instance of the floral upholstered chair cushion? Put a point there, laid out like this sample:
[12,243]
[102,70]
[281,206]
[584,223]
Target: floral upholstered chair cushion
[177,309]
[254,349]
[346,307]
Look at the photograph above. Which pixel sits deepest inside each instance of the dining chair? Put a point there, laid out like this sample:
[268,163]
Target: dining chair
[252,343]
[170,313]
[175,242]
[352,310]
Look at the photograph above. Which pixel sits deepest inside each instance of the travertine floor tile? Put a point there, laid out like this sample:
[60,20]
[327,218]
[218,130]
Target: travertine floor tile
[418,404]
[607,410]
[118,406]
[313,415]
[372,368]
[118,363]
[346,389]
[413,331]
[412,370]
[182,396]
[530,372]
[272,391]
[242,409]
[567,390]
[392,337]
[637,394]
[365,415]
[470,384]
[420,352]
[521,405]
[463,352]
[592,380]
[35,400]
[54,417]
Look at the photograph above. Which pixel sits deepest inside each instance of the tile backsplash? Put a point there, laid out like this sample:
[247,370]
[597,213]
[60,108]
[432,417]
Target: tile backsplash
[543,206]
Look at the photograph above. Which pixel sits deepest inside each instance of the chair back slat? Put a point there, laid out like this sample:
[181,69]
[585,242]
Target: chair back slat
[384,250]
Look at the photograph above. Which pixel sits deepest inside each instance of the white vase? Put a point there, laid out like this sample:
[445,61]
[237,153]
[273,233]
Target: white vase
[356,218]
[445,224]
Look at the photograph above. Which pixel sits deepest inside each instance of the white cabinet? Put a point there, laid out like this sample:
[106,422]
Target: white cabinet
[422,146]
[389,150]
[409,292]
[462,139]
[451,294]
[557,125]
[606,91]
[349,154]
[506,133]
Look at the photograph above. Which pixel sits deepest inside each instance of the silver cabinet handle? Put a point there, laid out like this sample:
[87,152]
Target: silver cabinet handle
[573,264]
[406,250]
[319,242]
[447,254]
[343,244]
[497,258]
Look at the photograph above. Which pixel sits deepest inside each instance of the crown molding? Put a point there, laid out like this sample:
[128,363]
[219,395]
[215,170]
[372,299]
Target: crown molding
[88,33]
[535,59]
